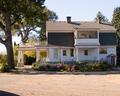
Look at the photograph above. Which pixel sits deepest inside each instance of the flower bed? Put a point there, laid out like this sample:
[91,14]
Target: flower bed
[76,67]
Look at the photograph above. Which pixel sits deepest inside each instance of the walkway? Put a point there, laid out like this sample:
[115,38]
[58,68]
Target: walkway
[59,85]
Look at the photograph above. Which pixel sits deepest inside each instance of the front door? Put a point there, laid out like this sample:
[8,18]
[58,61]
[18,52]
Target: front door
[112,59]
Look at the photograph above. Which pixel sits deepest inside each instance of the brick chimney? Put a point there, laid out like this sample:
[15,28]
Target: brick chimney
[68,19]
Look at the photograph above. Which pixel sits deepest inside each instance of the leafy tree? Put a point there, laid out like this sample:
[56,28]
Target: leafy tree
[116,20]
[30,53]
[101,17]
[12,12]
[116,23]
[29,25]
[49,15]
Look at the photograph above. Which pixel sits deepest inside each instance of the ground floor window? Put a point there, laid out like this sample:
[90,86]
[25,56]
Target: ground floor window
[85,52]
[71,52]
[103,51]
[64,53]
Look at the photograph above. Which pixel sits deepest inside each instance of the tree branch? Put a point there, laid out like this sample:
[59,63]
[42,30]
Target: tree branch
[16,19]
[2,41]
[2,9]
[2,26]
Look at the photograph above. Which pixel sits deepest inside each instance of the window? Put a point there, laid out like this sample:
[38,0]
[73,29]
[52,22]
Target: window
[85,52]
[55,53]
[82,35]
[64,53]
[89,34]
[103,50]
[71,52]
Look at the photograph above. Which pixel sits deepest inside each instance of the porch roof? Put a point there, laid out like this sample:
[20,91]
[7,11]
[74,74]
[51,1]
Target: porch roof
[34,47]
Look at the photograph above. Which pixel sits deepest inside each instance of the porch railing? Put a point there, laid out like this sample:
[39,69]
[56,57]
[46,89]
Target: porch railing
[86,41]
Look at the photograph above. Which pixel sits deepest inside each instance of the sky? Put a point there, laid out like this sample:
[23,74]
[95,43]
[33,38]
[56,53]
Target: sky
[79,10]
[82,10]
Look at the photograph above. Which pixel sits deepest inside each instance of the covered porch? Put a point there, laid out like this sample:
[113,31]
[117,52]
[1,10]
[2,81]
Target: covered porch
[37,49]
[87,53]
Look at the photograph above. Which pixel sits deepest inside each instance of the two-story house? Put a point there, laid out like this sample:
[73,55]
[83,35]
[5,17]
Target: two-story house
[79,41]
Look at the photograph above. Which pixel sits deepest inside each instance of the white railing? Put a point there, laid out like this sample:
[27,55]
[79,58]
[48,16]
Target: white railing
[86,41]
[89,58]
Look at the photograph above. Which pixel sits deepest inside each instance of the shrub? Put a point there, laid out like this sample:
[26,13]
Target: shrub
[95,67]
[53,67]
[36,65]
[83,67]
[4,68]
[3,64]
[3,58]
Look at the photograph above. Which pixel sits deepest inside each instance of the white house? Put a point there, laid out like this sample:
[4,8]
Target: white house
[76,41]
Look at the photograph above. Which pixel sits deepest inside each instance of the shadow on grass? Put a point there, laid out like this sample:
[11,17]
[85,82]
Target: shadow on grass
[4,93]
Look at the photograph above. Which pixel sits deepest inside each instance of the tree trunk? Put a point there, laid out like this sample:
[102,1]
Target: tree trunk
[10,54]
[8,44]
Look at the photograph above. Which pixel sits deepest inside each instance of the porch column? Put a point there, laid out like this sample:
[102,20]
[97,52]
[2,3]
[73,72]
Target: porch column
[61,55]
[37,55]
[98,54]
[47,58]
[20,59]
[77,54]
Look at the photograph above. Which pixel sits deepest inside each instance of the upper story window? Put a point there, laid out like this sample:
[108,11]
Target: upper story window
[84,35]
[103,50]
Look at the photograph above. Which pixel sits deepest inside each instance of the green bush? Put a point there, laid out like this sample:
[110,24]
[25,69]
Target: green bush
[36,65]
[4,68]
[3,64]
[3,58]
[95,67]
[76,67]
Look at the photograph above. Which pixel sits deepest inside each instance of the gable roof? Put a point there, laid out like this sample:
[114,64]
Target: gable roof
[64,26]
[59,26]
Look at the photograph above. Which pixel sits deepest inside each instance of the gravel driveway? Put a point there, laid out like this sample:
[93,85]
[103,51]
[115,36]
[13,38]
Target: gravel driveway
[60,85]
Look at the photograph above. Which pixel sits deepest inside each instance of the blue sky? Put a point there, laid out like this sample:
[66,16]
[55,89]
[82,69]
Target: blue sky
[79,10]
[82,10]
